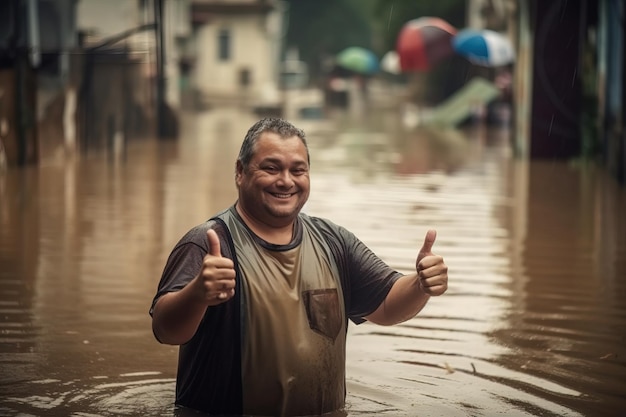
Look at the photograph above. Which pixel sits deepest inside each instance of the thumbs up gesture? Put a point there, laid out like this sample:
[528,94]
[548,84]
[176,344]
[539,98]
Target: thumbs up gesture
[217,277]
[432,272]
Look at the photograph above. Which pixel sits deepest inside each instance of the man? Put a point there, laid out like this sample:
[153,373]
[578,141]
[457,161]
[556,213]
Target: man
[258,297]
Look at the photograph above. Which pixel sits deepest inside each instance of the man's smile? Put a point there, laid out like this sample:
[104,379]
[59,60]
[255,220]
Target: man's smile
[283,195]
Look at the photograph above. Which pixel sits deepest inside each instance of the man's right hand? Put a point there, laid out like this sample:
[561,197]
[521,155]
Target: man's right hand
[217,277]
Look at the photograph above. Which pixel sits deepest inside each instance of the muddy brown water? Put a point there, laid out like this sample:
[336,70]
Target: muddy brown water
[534,322]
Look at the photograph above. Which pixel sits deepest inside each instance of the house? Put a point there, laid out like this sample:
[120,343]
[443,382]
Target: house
[147,36]
[237,51]
[36,41]
[85,74]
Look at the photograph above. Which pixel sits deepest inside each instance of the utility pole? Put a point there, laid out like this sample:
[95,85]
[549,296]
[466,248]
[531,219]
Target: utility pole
[25,96]
[161,110]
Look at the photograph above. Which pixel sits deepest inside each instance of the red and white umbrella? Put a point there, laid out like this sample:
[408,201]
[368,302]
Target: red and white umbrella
[423,43]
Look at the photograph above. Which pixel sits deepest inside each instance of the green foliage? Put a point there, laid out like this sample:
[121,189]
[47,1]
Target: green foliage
[322,28]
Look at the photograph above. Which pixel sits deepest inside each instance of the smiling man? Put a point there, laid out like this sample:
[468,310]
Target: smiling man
[259,296]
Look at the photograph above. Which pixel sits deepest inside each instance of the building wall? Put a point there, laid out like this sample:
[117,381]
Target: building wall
[177,30]
[103,20]
[107,18]
[250,50]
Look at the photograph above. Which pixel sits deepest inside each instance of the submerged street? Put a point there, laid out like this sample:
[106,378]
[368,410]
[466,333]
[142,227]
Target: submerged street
[533,322]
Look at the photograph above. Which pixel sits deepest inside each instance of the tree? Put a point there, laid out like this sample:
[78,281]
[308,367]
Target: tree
[321,28]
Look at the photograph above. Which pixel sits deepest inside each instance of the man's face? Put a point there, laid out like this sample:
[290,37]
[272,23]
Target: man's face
[276,184]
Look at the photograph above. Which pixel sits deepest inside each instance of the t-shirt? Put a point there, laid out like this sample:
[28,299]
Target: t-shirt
[294,325]
[210,372]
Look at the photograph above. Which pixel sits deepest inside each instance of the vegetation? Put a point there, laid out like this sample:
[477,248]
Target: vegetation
[319,29]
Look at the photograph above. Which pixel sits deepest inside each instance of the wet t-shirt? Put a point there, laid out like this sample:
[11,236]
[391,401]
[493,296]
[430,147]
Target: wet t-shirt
[260,353]
[293,345]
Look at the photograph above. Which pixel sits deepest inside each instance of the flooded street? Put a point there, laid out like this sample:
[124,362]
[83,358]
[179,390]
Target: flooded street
[533,323]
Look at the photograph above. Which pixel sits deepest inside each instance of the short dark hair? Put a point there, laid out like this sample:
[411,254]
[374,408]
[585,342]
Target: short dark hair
[268,124]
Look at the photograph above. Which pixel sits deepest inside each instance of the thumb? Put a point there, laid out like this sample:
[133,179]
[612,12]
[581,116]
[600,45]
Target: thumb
[429,241]
[214,243]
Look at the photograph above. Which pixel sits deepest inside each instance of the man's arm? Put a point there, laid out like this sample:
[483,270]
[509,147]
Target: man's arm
[177,315]
[405,299]
[410,293]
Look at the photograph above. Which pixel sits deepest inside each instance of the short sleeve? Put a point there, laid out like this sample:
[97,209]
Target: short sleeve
[366,279]
[184,262]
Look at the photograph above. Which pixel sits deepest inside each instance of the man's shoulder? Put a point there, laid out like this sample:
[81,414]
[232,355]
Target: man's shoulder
[198,232]
[317,221]
[328,227]
[194,235]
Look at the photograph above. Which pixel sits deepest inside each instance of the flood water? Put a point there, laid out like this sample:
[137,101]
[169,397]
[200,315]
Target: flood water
[533,323]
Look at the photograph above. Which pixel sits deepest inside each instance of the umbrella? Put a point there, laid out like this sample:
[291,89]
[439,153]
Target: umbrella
[357,59]
[424,42]
[390,62]
[484,47]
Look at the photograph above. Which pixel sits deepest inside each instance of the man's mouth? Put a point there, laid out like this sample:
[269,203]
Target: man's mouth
[283,195]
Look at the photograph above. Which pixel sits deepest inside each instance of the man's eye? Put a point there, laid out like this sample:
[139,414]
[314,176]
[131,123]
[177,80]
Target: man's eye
[299,171]
[271,168]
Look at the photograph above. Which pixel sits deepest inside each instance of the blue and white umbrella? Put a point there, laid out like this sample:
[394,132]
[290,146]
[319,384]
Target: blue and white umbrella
[484,47]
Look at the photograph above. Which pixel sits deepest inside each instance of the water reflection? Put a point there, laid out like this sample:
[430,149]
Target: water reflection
[450,347]
[532,323]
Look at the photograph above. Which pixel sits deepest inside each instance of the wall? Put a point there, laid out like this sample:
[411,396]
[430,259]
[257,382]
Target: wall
[250,50]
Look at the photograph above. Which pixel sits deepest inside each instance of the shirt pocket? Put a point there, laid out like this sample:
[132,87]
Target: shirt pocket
[323,311]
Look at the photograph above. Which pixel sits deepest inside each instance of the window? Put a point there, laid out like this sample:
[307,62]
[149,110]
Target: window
[223,45]
[244,77]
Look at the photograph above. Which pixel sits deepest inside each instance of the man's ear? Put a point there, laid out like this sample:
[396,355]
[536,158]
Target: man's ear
[238,171]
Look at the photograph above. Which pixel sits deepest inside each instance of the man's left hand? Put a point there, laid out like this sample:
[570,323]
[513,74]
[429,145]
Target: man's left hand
[431,270]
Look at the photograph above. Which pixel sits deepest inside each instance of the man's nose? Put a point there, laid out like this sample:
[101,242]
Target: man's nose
[285,179]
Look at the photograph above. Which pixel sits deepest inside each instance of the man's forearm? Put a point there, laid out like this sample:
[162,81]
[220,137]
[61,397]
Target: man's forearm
[405,299]
[177,315]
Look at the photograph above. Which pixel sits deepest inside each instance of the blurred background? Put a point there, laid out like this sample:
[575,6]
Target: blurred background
[80,75]
[500,123]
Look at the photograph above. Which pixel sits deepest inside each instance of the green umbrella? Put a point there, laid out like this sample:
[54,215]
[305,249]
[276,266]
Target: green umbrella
[358,59]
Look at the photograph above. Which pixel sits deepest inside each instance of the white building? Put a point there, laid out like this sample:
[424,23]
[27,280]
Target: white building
[225,50]
[237,50]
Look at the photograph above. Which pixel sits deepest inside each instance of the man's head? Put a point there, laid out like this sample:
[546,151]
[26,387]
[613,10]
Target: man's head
[272,173]
[281,127]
